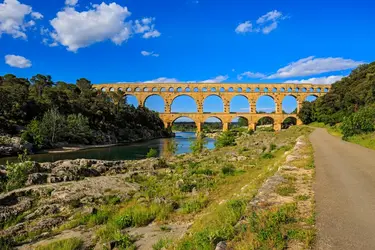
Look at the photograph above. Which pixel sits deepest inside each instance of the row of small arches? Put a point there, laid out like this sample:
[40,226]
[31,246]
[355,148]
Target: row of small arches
[222,89]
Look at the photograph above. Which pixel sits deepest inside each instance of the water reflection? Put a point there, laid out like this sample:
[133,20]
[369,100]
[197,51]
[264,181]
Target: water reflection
[125,152]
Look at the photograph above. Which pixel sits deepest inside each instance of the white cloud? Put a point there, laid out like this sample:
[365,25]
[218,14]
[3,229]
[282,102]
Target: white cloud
[101,22]
[147,53]
[152,33]
[163,80]
[249,74]
[71,2]
[17,61]
[318,80]
[270,16]
[266,23]
[12,18]
[313,66]
[244,27]
[36,15]
[220,78]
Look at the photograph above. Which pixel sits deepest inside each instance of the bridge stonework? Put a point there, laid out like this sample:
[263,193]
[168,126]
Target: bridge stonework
[226,91]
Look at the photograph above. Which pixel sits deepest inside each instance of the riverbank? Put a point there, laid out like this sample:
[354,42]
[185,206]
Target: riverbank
[106,204]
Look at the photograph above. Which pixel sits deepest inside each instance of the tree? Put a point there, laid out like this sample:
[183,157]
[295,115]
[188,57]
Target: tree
[40,82]
[306,113]
[242,122]
[198,144]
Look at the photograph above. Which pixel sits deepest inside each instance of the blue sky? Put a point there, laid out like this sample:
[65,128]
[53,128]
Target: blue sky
[187,40]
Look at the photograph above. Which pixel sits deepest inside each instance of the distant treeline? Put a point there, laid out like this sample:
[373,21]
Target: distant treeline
[47,113]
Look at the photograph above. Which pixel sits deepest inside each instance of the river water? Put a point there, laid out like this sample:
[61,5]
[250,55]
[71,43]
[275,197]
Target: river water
[132,151]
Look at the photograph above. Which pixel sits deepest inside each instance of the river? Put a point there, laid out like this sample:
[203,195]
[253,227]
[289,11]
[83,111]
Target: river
[132,151]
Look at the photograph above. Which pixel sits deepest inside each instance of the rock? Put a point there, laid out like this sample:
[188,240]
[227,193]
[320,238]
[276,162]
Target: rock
[222,245]
[288,168]
[36,178]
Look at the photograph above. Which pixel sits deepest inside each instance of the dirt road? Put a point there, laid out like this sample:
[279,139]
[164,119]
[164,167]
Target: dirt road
[345,193]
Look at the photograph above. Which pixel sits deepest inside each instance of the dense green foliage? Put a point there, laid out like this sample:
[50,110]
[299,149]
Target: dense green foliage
[346,97]
[50,112]
[152,153]
[17,174]
[225,139]
[360,122]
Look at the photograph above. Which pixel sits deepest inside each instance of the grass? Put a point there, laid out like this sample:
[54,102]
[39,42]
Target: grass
[285,190]
[65,244]
[161,244]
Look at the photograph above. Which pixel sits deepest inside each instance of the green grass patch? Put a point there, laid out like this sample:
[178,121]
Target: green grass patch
[285,189]
[65,244]
[302,197]
[161,244]
[194,205]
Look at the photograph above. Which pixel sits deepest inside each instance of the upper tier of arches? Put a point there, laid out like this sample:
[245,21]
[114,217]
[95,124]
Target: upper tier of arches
[216,88]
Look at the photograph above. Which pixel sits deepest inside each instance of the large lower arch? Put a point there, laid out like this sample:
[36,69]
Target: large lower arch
[184,104]
[131,100]
[212,124]
[239,122]
[265,104]
[184,124]
[155,103]
[213,104]
[289,121]
[266,123]
[289,104]
[239,104]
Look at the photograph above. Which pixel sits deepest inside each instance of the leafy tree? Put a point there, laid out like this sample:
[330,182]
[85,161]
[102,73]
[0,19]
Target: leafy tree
[152,153]
[360,122]
[242,122]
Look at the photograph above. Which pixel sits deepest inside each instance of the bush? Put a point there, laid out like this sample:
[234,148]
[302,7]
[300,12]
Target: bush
[267,156]
[198,144]
[152,153]
[228,170]
[65,244]
[17,173]
[225,139]
[360,122]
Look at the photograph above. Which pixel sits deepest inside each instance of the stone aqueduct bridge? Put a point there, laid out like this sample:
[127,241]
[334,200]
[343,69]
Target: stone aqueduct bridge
[226,91]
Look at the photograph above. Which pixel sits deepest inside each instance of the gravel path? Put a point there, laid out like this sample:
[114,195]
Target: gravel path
[345,193]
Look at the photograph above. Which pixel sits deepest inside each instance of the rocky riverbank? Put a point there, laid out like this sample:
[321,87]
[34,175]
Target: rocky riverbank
[143,203]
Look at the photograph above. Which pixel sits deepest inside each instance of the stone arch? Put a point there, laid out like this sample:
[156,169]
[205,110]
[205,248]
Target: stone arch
[184,123]
[239,104]
[129,89]
[131,100]
[179,89]
[311,98]
[186,106]
[213,89]
[196,89]
[239,89]
[265,123]
[171,89]
[248,90]
[289,104]
[120,89]
[213,124]
[155,102]
[112,89]
[289,121]
[137,89]
[103,89]
[265,104]
[239,121]
[222,89]
[155,89]
[145,89]
[211,104]
[187,89]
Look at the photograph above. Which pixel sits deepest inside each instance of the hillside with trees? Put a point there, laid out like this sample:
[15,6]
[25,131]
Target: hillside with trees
[349,105]
[49,114]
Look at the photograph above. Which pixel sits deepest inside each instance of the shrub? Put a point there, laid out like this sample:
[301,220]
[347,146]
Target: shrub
[225,139]
[17,173]
[250,132]
[273,147]
[152,153]
[198,144]
[194,205]
[267,156]
[228,170]
[360,122]
[137,215]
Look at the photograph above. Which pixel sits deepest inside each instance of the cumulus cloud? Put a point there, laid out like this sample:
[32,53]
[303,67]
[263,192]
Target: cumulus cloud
[249,74]
[163,80]
[318,80]
[265,24]
[220,78]
[313,66]
[244,27]
[13,15]
[71,2]
[17,61]
[147,53]
[99,23]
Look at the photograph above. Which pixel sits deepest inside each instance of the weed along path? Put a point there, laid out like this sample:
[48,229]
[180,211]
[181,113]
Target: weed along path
[345,193]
